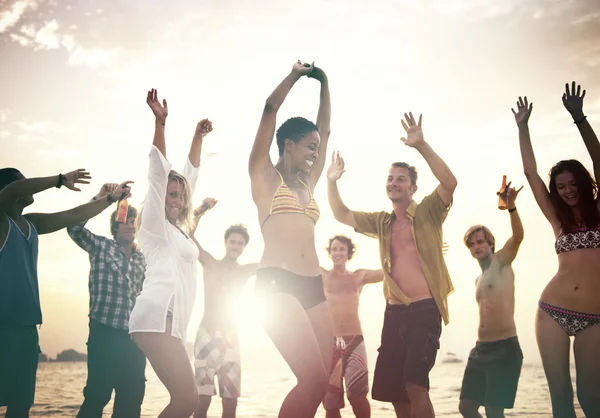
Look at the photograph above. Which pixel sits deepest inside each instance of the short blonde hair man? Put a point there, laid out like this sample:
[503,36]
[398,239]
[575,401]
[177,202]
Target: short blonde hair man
[489,237]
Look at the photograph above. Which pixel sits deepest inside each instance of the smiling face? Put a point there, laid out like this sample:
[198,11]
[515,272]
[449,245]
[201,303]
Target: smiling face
[234,245]
[399,185]
[304,153]
[566,187]
[175,200]
[338,251]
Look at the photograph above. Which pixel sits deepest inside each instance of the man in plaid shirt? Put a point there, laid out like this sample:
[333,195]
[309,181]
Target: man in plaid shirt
[117,270]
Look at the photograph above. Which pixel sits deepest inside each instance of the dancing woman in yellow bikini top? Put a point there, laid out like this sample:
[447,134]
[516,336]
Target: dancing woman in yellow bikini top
[288,279]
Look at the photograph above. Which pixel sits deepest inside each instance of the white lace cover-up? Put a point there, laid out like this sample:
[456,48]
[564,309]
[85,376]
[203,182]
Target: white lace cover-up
[170,256]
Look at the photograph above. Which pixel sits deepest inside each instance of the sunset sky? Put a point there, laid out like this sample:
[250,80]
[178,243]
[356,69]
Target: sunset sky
[74,77]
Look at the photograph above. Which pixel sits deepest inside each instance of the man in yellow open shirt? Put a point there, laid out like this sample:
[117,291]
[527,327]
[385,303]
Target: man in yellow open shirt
[416,281]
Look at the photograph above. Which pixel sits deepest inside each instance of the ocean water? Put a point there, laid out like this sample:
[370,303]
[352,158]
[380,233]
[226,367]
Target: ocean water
[266,382]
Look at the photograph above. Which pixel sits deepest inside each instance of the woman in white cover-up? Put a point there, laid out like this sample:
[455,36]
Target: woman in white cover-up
[162,311]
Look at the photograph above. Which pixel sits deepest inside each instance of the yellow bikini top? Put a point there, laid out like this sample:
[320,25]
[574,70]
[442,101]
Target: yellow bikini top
[284,201]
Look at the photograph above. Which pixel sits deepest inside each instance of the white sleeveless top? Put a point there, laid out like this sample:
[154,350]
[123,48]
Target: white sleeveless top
[170,256]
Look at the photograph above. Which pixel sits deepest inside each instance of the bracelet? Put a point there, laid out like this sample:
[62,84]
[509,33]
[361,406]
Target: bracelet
[60,182]
[577,122]
[512,210]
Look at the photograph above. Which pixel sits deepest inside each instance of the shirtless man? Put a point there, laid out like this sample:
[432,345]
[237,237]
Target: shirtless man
[216,349]
[494,365]
[342,289]
[416,282]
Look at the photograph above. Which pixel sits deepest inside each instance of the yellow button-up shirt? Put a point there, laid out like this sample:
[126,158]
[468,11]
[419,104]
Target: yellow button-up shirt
[426,219]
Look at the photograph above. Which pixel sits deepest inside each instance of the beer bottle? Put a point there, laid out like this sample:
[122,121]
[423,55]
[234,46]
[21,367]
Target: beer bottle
[122,208]
[502,193]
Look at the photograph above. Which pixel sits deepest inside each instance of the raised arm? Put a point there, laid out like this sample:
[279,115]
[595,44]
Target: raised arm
[415,139]
[29,187]
[508,253]
[573,102]
[205,257]
[539,189]
[191,168]
[82,236]
[203,128]
[46,223]
[341,213]
[160,113]
[323,124]
[259,156]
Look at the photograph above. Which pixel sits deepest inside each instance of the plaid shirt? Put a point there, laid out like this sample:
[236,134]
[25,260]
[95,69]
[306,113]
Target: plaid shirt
[115,280]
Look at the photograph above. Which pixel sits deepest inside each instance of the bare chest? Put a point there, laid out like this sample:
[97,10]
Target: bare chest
[494,282]
[348,285]
[402,241]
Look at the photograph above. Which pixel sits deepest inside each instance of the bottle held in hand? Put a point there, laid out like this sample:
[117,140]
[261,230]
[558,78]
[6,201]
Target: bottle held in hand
[502,193]
[122,208]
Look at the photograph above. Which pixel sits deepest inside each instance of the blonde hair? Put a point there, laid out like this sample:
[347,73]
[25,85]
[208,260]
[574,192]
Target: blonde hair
[487,234]
[184,220]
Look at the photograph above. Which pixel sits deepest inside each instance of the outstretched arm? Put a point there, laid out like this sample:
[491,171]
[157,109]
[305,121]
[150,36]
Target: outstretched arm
[540,192]
[341,213]
[160,113]
[323,124]
[203,128]
[259,156]
[205,257]
[29,187]
[573,102]
[372,276]
[508,253]
[46,223]
[415,139]
[82,236]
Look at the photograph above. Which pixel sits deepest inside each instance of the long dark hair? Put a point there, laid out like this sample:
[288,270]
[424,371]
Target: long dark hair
[587,189]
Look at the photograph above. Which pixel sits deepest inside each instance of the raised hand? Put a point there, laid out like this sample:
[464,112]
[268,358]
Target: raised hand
[414,132]
[573,101]
[79,176]
[317,74]
[336,169]
[107,188]
[303,68]
[207,204]
[122,191]
[523,111]
[510,195]
[203,128]
[160,111]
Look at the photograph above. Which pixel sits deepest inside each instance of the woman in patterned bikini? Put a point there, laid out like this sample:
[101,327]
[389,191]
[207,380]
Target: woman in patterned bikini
[289,276]
[570,303]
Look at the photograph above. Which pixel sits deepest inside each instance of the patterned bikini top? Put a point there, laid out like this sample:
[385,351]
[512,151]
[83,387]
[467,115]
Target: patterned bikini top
[284,201]
[578,239]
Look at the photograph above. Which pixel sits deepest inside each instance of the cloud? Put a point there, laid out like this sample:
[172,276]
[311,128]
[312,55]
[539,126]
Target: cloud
[93,57]
[11,17]
[46,37]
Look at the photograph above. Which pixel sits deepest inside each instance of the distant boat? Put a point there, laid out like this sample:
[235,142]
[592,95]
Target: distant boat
[451,358]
